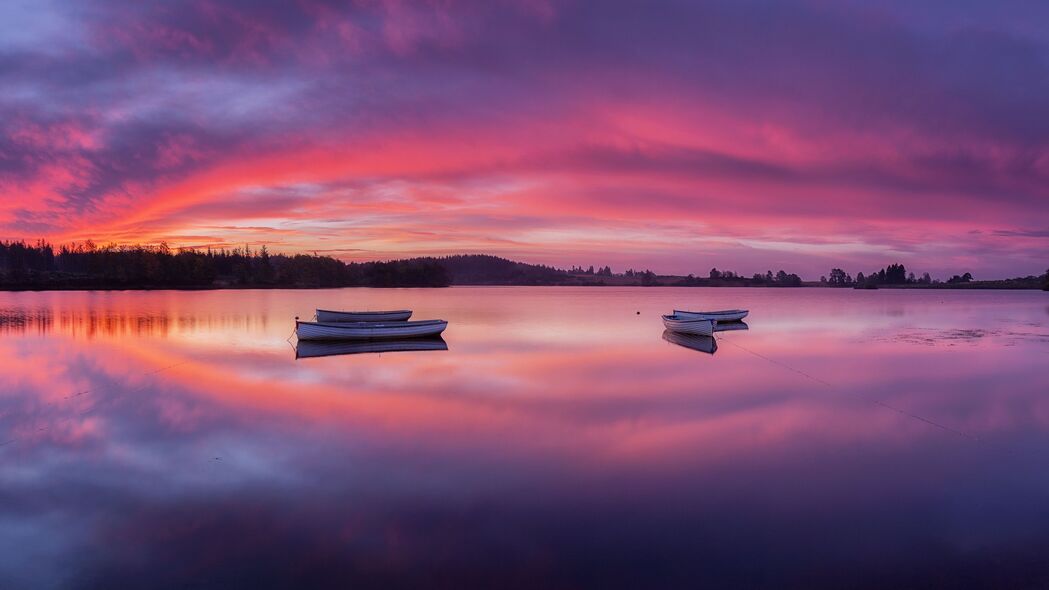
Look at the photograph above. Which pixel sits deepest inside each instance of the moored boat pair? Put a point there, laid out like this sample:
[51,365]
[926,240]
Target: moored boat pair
[367,325]
[701,323]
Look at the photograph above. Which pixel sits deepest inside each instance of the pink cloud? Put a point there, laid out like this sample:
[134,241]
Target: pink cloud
[677,139]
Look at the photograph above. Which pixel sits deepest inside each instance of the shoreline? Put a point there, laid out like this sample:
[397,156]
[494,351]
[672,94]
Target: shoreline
[86,288]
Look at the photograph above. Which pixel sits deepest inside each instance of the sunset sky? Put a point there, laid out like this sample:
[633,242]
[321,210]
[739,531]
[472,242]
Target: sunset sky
[675,136]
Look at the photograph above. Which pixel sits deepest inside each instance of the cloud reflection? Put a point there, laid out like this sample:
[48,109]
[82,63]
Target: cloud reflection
[555,444]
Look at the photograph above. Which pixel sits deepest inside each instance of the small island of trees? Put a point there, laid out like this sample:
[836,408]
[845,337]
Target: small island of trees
[896,275]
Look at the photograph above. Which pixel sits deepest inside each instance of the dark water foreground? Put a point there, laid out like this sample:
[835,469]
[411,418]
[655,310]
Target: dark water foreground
[847,439]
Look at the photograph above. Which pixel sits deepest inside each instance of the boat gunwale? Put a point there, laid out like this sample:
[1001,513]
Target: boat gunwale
[719,312]
[364,312]
[372,325]
[677,318]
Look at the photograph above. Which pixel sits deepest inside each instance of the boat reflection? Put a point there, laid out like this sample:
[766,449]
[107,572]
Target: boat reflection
[705,344]
[318,348]
[730,326]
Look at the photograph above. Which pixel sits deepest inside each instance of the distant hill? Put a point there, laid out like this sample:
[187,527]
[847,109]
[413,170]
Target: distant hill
[483,269]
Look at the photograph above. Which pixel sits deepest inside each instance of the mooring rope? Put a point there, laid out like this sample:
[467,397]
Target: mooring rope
[885,405]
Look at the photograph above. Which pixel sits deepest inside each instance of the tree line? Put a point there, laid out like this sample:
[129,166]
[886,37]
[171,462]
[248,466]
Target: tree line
[715,278]
[90,266]
[86,266]
[898,275]
[731,278]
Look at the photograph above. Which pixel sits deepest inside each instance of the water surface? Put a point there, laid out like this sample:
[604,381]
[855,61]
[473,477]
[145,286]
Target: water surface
[847,438]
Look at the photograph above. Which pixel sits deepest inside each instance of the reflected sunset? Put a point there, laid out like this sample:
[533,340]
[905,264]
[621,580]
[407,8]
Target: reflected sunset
[537,409]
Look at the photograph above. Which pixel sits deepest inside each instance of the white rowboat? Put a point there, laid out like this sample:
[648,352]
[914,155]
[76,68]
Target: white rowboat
[676,323]
[368,330]
[317,348]
[399,315]
[727,315]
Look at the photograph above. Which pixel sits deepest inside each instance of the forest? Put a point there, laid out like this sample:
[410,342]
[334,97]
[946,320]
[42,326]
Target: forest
[86,266]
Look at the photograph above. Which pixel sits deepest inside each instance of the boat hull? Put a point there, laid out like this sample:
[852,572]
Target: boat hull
[728,315]
[681,325]
[368,330]
[318,348]
[399,315]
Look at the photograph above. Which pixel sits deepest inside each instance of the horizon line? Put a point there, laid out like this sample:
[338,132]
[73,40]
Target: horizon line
[325,253]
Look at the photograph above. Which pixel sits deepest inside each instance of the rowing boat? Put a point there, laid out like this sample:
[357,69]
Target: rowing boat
[368,330]
[682,325]
[726,315]
[399,315]
[317,348]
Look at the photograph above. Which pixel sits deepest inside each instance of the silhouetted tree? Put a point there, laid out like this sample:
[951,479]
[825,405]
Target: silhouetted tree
[783,279]
[895,274]
[839,277]
[265,272]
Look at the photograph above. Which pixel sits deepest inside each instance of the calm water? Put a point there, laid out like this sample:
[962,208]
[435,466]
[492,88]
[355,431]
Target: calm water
[848,438]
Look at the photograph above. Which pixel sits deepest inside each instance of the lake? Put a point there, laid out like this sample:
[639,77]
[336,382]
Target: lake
[847,438]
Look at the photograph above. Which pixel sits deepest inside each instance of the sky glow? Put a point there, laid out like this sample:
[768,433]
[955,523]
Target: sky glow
[676,136]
